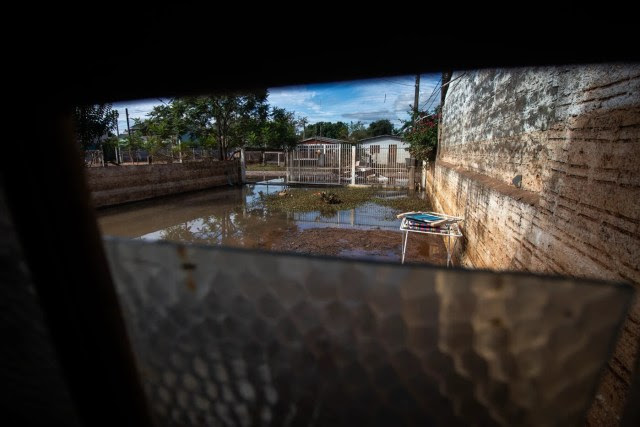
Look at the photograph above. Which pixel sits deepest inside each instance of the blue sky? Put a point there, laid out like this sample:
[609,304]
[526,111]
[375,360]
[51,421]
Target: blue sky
[364,100]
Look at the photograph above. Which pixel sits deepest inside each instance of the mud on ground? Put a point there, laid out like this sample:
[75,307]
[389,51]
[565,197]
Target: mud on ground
[370,244]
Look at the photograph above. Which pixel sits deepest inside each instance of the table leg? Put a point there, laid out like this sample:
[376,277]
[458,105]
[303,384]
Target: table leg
[404,245]
[453,248]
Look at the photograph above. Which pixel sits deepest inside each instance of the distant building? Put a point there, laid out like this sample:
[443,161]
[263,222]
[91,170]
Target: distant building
[386,149]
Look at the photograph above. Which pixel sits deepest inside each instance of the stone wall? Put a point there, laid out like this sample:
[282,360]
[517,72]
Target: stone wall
[572,136]
[114,185]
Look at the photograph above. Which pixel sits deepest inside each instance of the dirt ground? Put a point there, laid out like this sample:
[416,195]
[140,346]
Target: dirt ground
[370,244]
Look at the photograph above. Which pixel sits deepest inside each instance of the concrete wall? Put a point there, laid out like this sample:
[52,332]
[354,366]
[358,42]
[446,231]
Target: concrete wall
[115,185]
[573,135]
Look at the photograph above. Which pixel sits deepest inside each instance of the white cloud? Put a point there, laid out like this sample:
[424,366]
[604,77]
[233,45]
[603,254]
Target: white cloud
[364,100]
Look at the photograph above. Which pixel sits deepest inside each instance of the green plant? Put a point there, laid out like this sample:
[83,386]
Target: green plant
[421,132]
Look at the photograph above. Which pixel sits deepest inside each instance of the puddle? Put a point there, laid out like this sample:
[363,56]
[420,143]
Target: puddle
[236,217]
[367,216]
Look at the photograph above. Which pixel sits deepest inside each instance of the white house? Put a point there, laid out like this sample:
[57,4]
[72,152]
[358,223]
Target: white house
[384,150]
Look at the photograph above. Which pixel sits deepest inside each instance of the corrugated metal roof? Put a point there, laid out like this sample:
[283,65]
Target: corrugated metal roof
[324,139]
[396,137]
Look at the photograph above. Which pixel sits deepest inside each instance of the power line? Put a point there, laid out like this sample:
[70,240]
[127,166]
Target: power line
[431,101]
[401,84]
[416,97]
[435,90]
[457,78]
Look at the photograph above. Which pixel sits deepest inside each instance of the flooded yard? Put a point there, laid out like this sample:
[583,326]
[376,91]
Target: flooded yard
[240,217]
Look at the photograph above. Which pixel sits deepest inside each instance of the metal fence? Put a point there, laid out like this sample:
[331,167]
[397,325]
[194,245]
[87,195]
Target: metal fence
[319,164]
[378,165]
[342,164]
[158,155]
[93,158]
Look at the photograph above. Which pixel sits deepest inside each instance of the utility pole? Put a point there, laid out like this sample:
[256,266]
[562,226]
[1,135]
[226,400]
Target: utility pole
[126,110]
[416,100]
[446,78]
[416,97]
[117,138]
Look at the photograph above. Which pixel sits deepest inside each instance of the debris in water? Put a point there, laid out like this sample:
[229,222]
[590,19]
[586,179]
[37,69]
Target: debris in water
[330,198]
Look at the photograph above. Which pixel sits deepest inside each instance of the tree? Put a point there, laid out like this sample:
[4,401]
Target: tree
[231,119]
[280,131]
[338,130]
[381,127]
[168,120]
[421,132]
[302,121]
[93,123]
[357,131]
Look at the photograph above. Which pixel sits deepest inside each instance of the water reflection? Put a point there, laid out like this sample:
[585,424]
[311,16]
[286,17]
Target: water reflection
[234,217]
[367,216]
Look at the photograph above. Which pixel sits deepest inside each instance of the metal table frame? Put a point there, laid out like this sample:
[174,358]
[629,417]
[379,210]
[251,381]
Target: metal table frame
[448,231]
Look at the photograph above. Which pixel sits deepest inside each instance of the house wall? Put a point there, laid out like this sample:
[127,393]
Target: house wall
[116,185]
[573,135]
[382,157]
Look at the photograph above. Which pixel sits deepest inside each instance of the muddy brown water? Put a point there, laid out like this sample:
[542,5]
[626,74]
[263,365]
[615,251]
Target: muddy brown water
[236,217]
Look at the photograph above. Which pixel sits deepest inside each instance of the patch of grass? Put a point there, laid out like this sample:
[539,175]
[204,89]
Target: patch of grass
[310,199]
[405,204]
[260,167]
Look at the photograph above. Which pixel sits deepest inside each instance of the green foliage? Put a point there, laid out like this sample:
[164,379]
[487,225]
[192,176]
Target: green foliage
[308,200]
[223,120]
[421,132]
[338,130]
[352,132]
[168,120]
[381,127]
[405,204]
[92,122]
[301,125]
[341,198]
[358,131]
[280,131]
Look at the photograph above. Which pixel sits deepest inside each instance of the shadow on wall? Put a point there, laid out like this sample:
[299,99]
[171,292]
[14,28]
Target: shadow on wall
[587,221]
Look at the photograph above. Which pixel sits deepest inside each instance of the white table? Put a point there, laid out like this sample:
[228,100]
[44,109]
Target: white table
[451,230]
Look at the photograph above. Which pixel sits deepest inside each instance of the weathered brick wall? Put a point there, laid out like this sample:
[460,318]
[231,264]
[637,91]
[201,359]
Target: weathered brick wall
[115,185]
[573,133]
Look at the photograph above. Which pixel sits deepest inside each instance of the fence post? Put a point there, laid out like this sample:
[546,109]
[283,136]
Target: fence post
[243,167]
[339,166]
[353,165]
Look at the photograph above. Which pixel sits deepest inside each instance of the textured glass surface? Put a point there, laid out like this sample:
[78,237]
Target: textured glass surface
[233,337]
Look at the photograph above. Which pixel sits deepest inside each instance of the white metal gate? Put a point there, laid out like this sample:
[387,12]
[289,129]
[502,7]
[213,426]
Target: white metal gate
[343,164]
[319,164]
